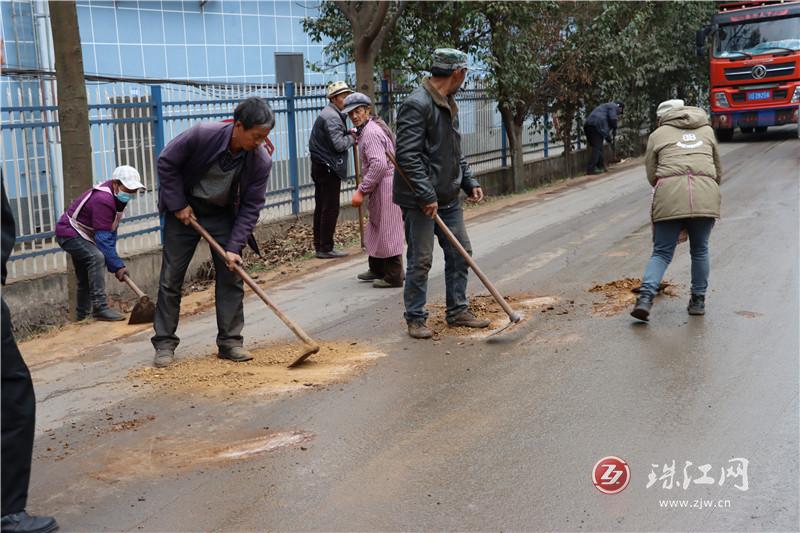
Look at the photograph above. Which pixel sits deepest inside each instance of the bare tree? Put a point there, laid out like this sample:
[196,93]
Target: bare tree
[371,22]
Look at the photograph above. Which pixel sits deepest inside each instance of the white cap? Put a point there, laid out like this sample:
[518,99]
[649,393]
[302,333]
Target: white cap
[129,177]
[668,105]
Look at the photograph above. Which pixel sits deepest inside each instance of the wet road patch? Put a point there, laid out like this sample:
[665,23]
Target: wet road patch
[162,454]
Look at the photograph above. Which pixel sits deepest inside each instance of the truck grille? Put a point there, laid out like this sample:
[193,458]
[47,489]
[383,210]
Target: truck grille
[773,71]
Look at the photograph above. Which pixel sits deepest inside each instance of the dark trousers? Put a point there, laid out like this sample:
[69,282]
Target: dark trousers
[420,232]
[180,242]
[388,268]
[90,268]
[18,419]
[327,188]
[595,140]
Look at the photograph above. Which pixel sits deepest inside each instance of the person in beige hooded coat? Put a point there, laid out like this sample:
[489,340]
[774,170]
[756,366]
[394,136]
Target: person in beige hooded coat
[682,163]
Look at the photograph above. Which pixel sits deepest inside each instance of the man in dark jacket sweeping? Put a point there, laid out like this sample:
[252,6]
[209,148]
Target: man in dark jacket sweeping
[429,152]
[601,124]
[217,173]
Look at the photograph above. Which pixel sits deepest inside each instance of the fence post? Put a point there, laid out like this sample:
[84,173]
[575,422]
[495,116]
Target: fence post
[578,136]
[385,112]
[503,145]
[546,135]
[294,175]
[158,140]
[158,125]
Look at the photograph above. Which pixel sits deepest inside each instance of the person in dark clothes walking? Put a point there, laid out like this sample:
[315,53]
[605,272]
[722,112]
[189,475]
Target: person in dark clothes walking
[601,124]
[216,173]
[329,144]
[18,414]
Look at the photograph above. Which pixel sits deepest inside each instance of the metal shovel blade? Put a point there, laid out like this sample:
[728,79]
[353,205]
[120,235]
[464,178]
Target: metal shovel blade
[310,350]
[144,312]
[513,321]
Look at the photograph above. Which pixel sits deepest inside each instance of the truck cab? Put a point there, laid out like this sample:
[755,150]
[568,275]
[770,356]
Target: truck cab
[754,66]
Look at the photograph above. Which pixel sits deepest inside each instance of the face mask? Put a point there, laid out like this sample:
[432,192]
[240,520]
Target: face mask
[124,197]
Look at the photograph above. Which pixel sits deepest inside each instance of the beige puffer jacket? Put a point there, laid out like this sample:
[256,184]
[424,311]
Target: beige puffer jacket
[682,163]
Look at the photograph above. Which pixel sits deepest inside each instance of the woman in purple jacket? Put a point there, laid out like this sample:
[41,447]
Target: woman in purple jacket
[87,231]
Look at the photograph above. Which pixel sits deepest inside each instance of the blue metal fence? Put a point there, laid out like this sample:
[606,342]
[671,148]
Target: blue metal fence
[131,123]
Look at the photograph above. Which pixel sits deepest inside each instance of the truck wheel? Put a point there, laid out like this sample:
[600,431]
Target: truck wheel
[747,130]
[724,135]
[761,129]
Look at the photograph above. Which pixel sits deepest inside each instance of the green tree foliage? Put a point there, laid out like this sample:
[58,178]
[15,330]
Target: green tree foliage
[516,37]
[562,57]
[644,53]
[406,51]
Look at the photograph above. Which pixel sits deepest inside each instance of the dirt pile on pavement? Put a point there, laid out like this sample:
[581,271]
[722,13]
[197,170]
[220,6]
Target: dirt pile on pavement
[267,373]
[620,295]
[485,306]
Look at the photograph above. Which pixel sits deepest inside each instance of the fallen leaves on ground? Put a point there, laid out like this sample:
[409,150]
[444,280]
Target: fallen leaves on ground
[296,244]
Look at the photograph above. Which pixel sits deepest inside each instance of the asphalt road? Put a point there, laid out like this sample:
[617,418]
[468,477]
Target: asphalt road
[464,434]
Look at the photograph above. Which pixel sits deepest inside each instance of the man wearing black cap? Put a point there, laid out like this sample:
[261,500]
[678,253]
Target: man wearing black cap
[429,152]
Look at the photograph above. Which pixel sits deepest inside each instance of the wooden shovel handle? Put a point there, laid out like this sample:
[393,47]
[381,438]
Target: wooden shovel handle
[134,287]
[512,315]
[252,284]
[357,166]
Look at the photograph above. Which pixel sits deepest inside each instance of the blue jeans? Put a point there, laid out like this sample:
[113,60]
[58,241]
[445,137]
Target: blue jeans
[90,269]
[420,230]
[665,239]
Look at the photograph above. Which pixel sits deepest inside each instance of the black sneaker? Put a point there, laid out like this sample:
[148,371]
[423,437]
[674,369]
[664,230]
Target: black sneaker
[22,522]
[641,310]
[163,358]
[333,254]
[418,330]
[697,305]
[236,354]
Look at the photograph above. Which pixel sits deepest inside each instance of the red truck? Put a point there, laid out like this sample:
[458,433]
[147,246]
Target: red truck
[755,66]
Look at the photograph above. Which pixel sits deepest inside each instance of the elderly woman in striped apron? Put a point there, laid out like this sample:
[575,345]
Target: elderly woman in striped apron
[383,235]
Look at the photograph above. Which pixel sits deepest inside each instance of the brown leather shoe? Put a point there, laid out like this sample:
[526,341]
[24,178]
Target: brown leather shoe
[418,330]
[465,319]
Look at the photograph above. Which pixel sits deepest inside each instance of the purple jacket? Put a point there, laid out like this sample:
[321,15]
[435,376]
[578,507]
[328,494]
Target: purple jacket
[99,213]
[187,157]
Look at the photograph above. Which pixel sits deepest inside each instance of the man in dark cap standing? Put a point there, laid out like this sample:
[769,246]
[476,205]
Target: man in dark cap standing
[601,124]
[429,152]
[328,145]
